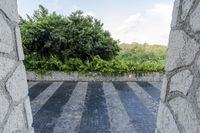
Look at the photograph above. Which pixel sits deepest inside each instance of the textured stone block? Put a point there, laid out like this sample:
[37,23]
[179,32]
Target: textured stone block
[19,44]
[198,97]
[175,13]
[164,88]
[182,50]
[28,113]
[185,114]
[4,105]
[181,82]
[165,121]
[10,9]
[6,40]
[16,121]
[197,61]
[186,6]
[15,113]
[6,66]
[17,84]
[195,19]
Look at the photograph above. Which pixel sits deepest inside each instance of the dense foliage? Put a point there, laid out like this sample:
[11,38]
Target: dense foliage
[141,53]
[152,59]
[77,36]
[78,43]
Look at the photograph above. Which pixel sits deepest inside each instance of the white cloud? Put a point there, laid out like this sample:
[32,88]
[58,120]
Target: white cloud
[151,26]
[88,13]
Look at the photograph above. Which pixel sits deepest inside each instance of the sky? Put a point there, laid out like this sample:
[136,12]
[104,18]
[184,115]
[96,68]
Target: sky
[143,21]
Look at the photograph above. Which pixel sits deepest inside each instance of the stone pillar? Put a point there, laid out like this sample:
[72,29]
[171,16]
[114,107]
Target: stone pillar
[179,110]
[15,110]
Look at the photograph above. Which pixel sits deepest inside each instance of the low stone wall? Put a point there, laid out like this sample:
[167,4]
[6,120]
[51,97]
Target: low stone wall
[62,76]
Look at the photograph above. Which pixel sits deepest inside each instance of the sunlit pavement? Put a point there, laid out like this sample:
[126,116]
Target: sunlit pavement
[94,107]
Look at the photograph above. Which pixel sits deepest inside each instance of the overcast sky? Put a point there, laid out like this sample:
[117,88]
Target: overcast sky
[127,20]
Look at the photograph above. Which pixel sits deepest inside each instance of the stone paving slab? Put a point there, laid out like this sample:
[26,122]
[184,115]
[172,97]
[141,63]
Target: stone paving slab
[141,117]
[94,107]
[119,119]
[45,119]
[43,97]
[146,99]
[72,111]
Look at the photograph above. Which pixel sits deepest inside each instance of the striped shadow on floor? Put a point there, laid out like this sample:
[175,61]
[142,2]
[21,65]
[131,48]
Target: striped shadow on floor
[157,85]
[45,119]
[43,97]
[35,90]
[31,84]
[95,117]
[70,118]
[145,98]
[93,107]
[141,117]
[150,89]
[119,119]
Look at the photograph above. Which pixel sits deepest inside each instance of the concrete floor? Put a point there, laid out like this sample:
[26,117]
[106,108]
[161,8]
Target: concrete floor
[94,107]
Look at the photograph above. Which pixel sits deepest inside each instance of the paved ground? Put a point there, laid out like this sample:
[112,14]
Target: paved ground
[94,107]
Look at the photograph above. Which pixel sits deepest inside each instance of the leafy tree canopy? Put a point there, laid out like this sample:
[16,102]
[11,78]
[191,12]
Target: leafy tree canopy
[76,36]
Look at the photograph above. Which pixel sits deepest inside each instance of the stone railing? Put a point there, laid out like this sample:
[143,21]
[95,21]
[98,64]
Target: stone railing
[62,76]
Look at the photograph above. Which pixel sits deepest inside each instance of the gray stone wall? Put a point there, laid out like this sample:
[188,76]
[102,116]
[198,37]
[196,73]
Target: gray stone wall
[75,76]
[15,110]
[179,110]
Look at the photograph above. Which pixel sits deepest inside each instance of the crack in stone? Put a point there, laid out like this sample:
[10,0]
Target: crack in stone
[9,21]
[6,118]
[8,96]
[11,55]
[173,72]
[12,106]
[192,96]
[12,25]
[193,8]
[174,94]
[168,88]
[179,22]
[186,26]
[175,117]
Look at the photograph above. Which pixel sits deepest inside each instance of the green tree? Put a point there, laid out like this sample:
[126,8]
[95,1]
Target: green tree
[76,36]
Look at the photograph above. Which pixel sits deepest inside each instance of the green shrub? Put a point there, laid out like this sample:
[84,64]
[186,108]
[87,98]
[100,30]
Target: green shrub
[78,43]
[76,36]
[140,53]
[96,64]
